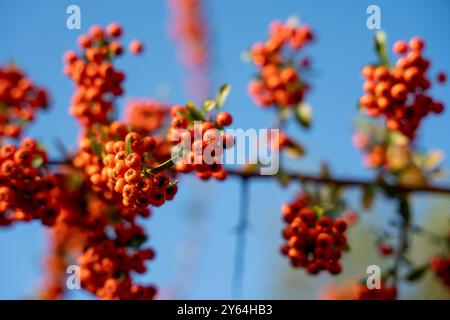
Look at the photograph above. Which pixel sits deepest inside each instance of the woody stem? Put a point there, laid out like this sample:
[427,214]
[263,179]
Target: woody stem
[344,182]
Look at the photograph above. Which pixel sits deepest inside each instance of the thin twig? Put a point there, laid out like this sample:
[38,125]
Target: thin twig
[59,162]
[239,260]
[404,211]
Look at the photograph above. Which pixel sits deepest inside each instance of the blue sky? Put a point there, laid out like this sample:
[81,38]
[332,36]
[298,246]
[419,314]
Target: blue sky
[202,217]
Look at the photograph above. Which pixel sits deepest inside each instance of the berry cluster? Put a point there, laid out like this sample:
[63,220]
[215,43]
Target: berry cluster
[66,242]
[116,173]
[146,116]
[374,148]
[113,177]
[203,142]
[356,289]
[102,237]
[111,256]
[26,191]
[386,292]
[125,166]
[189,28]
[128,172]
[97,81]
[278,81]
[94,202]
[106,269]
[19,101]
[91,148]
[393,154]
[314,241]
[399,94]
[441,267]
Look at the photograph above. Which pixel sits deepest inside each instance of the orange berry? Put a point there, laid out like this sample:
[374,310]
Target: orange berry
[288,75]
[133,160]
[179,122]
[84,41]
[400,47]
[367,101]
[411,74]
[96,32]
[131,176]
[383,103]
[399,91]
[416,43]
[381,73]
[114,30]
[368,72]
[135,47]
[382,88]
[119,185]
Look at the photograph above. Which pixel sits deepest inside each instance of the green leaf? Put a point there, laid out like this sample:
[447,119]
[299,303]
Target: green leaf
[222,95]
[163,166]
[3,107]
[194,113]
[303,114]
[246,56]
[433,159]
[284,114]
[113,217]
[251,167]
[416,273]
[319,211]
[324,170]
[37,161]
[294,150]
[368,197]
[128,148]
[96,147]
[74,180]
[102,132]
[137,241]
[208,105]
[389,273]
[293,21]
[282,178]
[381,48]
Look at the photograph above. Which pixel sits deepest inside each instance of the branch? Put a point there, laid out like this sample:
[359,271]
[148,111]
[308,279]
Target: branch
[345,182]
[59,162]
[348,182]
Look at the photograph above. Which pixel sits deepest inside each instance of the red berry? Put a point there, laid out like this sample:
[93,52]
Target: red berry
[224,119]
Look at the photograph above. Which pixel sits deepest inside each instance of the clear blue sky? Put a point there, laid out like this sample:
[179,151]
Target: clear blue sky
[34,35]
